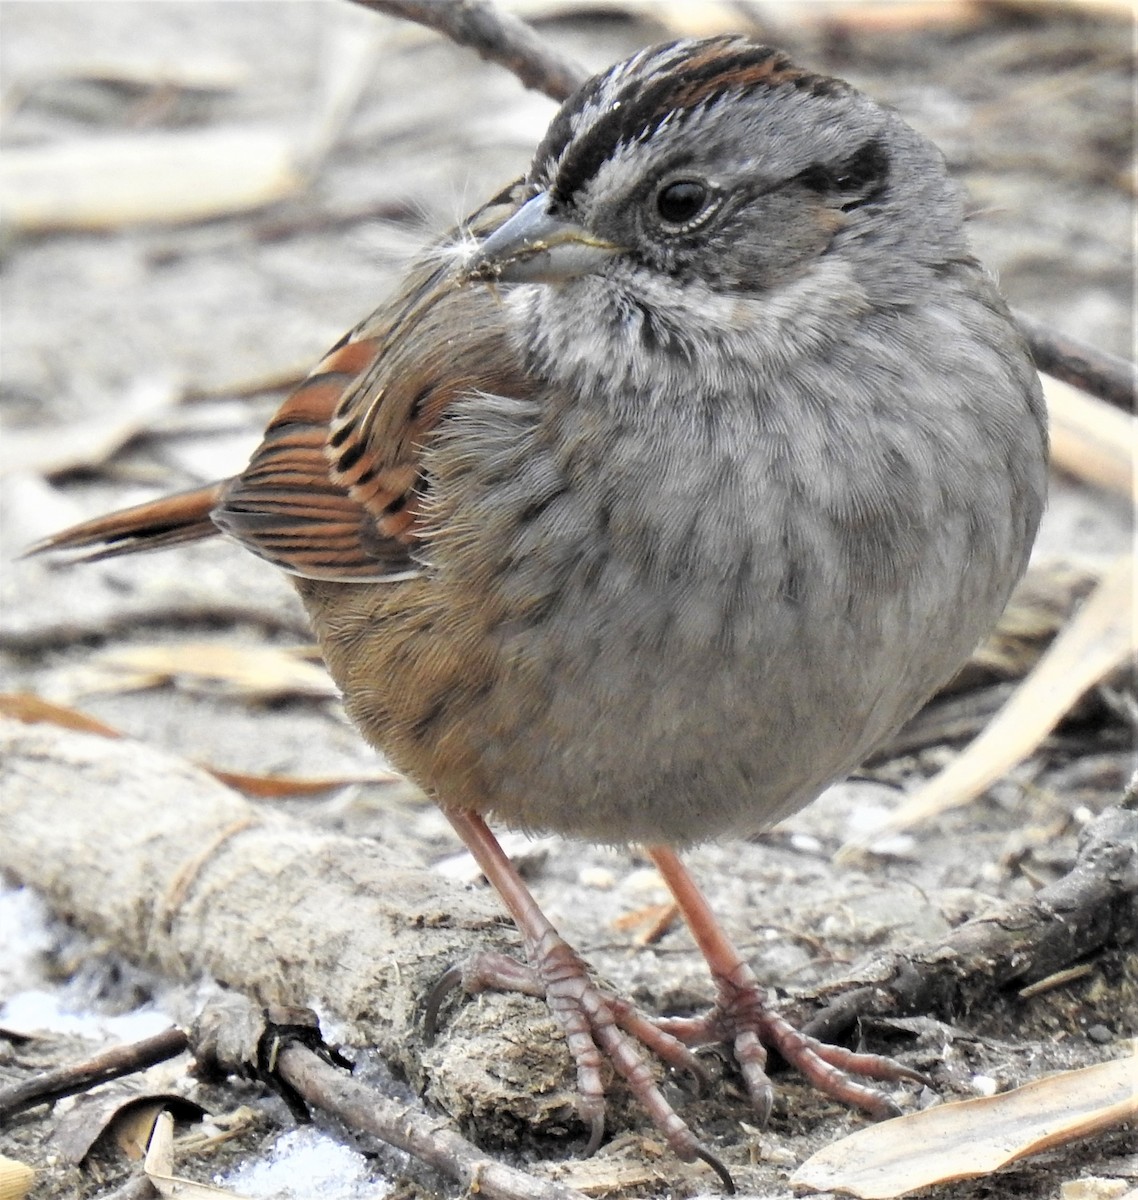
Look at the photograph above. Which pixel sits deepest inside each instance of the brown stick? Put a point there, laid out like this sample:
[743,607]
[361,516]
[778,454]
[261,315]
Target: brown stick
[1094,371]
[494,35]
[79,1077]
[410,1129]
[185,875]
[1094,905]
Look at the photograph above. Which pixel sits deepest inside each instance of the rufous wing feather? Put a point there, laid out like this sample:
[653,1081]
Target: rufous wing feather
[337,488]
[288,508]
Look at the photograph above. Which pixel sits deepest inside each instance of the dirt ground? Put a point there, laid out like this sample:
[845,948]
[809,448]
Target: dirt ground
[187,325]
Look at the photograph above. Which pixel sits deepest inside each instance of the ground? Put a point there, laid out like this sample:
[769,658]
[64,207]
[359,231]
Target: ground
[191,323]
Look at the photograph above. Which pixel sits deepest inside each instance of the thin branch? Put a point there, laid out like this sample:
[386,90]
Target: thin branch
[80,1077]
[1092,906]
[501,37]
[1094,371]
[409,1129]
[496,36]
[283,1047]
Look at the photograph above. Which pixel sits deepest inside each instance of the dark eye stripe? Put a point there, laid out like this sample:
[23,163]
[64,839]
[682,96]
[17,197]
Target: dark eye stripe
[860,177]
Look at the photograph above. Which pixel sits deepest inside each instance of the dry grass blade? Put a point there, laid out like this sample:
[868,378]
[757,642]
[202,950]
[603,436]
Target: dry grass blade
[109,182]
[350,54]
[253,672]
[975,1137]
[887,16]
[675,18]
[1100,638]
[33,710]
[137,69]
[1090,439]
[159,1168]
[1047,598]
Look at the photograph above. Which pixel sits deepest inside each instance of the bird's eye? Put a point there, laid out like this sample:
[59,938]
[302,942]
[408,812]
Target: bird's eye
[682,201]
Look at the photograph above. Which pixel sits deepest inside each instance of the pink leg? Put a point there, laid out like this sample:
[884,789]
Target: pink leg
[597,1025]
[742,1014]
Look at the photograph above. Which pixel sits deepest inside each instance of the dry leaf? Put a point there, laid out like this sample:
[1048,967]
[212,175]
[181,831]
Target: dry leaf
[652,921]
[133,1126]
[1100,638]
[254,672]
[279,787]
[121,1109]
[975,1137]
[159,1168]
[16,1179]
[33,710]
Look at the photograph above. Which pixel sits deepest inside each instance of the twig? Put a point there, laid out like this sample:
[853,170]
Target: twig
[1091,370]
[139,1188]
[66,631]
[426,1138]
[507,40]
[1092,906]
[494,35]
[283,1047]
[79,1077]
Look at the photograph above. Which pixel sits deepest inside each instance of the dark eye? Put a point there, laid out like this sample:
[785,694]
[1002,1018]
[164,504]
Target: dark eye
[679,203]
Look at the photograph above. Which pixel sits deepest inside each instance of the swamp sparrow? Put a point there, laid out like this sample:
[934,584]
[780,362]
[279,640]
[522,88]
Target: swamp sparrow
[661,493]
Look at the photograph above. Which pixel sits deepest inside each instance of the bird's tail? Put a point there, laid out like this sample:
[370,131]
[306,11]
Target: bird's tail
[170,521]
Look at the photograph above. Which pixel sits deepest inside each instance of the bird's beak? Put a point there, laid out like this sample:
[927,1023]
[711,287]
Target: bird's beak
[535,246]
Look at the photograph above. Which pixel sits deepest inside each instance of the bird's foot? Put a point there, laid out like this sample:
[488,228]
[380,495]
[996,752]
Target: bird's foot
[598,1027]
[743,1019]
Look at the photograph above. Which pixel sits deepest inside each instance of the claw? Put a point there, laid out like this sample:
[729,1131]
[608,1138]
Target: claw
[488,971]
[886,1109]
[719,1168]
[762,1103]
[600,1027]
[444,985]
[596,1135]
[701,1078]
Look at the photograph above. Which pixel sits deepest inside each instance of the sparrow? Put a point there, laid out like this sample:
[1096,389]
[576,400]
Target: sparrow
[661,492]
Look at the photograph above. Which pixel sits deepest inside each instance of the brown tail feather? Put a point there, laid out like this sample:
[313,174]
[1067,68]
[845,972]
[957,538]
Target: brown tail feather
[171,521]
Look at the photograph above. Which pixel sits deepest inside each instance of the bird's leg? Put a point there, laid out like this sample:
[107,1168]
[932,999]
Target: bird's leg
[597,1025]
[743,1016]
